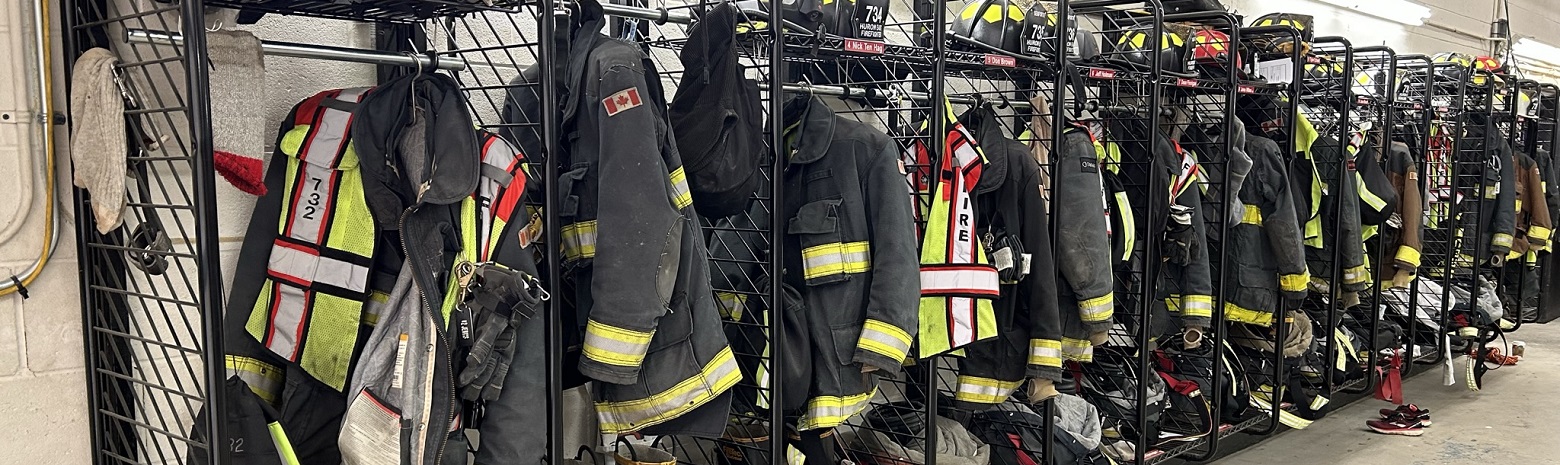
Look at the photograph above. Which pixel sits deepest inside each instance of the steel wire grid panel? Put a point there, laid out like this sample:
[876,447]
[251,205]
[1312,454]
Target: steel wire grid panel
[1519,284]
[1258,370]
[1414,111]
[1540,134]
[1325,96]
[1373,110]
[1120,103]
[883,83]
[1451,174]
[152,288]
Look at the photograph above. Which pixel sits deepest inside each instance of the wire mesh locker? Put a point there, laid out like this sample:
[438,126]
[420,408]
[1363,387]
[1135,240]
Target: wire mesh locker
[153,306]
[1411,124]
[1541,130]
[1518,287]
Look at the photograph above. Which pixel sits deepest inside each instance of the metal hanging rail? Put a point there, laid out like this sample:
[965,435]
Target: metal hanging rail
[319,52]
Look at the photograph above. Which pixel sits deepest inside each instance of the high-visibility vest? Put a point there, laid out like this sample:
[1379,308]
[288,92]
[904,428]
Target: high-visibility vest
[958,283]
[316,290]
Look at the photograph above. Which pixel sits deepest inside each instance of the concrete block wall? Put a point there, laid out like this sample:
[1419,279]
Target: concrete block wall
[42,380]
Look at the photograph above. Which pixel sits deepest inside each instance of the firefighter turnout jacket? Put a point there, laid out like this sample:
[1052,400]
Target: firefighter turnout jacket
[1265,248]
[1330,206]
[1013,224]
[1534,225]
[1402,240]
[1493,186]
[1084,257]
[1147,156]
[849,257]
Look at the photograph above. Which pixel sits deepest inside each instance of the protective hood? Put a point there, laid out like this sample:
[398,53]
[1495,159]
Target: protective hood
[414,138]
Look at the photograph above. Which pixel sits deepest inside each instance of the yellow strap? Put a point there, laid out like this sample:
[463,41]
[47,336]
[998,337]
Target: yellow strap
[284,449]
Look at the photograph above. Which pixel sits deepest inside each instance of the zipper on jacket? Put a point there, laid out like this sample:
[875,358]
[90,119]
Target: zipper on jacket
[439,338]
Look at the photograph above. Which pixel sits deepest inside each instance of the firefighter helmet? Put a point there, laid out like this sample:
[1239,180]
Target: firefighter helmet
[998,24]
[1322,74]
[839,17]
[1301,23]
[1213,47]
[1134,46]
[1488,63]
[1456,66]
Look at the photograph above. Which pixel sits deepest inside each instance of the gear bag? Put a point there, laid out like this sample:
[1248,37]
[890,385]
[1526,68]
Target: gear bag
[717,118]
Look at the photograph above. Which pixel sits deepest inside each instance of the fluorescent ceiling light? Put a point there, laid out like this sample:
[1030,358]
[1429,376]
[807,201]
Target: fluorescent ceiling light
[1400,11]
[1529,48]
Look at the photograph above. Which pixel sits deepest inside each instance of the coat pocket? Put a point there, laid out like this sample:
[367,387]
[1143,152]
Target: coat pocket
[826,256]
[373,432]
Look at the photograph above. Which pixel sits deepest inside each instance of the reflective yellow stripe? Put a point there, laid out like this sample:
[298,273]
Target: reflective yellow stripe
[1539,233]
[984,390]
[1241,314]
[579,240]
[1512,254]
[832,411]
[884,339]
[1128,224]
[615,346]
[1355,275]
[681,196]
[1045,352]
[1260,400]
[730,304]
[1253,215]
[794,456]
[1097,309]
[1197,306]
[1463,260]
[1501,240]
[1370,198]
[1294,282]
[717,376]
[1346,352]
[284,449]
[263,378]
[1078,350]
[836,258]
[1408,255]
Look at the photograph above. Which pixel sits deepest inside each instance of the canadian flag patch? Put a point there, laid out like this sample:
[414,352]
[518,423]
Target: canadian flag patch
[622,101]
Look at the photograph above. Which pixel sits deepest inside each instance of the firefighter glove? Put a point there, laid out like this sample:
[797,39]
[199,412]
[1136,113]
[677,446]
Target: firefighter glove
[500,298]
[1009,257]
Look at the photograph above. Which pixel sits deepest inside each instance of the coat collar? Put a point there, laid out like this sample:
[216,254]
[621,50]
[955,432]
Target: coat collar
[982,123]
[422,154]
[810,141]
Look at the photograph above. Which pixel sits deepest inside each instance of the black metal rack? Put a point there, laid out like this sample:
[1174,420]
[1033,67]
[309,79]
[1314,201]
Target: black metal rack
[145,411]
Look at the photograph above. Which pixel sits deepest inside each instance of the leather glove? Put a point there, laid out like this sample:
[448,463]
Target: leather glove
[1402,279]
[1041,390]
[1192,337]
[1099,338]
[1497,260]
[1009,257]
[501,298]
[1178,238]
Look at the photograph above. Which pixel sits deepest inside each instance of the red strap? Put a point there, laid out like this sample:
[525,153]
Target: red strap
[1186,388]
[1018,450]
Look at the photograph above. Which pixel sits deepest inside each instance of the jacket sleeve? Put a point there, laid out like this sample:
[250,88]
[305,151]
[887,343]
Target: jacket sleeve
[1504,222]
[1045,336]
[1411,207]
[1282,227]
[1196,309]
[638,233]
[1539,223]
[1350,239]
[892,303]
[1082,251]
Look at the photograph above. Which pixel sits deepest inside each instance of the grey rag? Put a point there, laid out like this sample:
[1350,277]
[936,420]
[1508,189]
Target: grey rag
[238,106]
[97,140]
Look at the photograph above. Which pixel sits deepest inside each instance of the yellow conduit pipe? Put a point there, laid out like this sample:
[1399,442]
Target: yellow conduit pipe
[15,284]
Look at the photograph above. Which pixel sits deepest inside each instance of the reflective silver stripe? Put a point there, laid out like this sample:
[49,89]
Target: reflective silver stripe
[959,281]
[615,346]
[836,258]
[311,197]
[884,339]
[331,130]
[309,268]
[831,411]
[579,240]
[719,375]
[983,390]
[1045,352]
[681,197]
[287,312]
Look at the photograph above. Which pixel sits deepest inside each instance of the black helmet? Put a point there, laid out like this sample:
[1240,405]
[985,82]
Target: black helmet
[839,17]
[1454,66]
[805,13]
[1301,23]
[1134,46]
[999,24]
[1322,74]
[1040,32]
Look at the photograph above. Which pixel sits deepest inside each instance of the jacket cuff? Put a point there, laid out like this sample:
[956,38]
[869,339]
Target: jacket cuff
[1500,243]
[1077,350]
[1538,236]
[1356,278]
[613,354]
[1045,359]
[882,345]
[1407,259]
[977,394]
[1294,283]
[1097,312]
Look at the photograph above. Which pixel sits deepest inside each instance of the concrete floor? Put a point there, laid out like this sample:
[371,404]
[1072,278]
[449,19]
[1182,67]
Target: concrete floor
[1512,421]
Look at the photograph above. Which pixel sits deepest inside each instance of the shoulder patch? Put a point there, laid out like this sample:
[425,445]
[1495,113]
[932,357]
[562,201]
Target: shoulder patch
[1090,166]
[622,101]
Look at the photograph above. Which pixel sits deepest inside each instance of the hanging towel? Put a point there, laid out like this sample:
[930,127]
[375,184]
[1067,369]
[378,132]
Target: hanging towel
[97,140]
[238,126]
